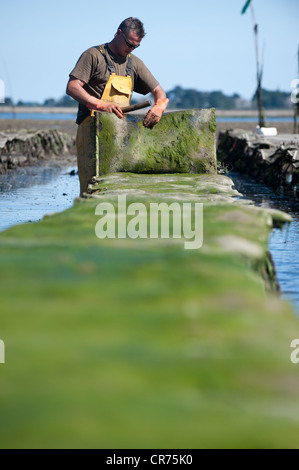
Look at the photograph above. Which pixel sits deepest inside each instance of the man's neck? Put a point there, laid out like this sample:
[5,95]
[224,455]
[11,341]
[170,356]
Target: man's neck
[113,48]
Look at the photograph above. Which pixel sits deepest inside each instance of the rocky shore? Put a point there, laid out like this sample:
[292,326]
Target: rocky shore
[272,160]
[23,147]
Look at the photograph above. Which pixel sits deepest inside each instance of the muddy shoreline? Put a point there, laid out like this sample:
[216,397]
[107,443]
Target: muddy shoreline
[15,125]
[73,110]
[70,126]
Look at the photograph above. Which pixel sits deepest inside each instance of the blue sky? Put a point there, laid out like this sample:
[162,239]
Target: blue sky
[204,45]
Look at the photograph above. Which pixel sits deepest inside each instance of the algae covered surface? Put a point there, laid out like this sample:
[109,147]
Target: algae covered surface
[141,343]
[184,142]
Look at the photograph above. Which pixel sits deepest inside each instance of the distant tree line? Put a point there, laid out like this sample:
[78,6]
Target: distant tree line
[64,101]
[181,98]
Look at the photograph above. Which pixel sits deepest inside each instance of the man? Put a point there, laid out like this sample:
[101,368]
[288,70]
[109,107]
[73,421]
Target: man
[104,79]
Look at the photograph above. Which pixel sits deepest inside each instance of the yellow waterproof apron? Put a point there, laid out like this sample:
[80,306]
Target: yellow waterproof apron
[118,89]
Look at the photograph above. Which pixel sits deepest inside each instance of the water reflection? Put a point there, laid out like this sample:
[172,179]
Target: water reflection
[27,177]
[28,194]
[283,244]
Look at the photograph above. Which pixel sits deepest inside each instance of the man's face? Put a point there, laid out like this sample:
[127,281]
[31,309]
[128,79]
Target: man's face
[127,42]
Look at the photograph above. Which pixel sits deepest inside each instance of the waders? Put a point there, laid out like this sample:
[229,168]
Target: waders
[95,185]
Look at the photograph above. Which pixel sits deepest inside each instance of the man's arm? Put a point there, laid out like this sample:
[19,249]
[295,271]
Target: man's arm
[154,115]
[158,93]
[75,90]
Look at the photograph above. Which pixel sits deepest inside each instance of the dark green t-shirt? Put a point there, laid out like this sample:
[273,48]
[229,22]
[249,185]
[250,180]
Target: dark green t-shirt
[92,69]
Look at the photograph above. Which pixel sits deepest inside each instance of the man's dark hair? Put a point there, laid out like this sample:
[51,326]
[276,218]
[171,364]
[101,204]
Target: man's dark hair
[132,24]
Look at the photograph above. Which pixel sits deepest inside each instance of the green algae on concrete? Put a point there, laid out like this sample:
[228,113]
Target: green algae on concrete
[184,142]
[140,343]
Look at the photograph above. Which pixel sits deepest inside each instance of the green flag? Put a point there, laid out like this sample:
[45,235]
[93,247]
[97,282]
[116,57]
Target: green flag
[245,7]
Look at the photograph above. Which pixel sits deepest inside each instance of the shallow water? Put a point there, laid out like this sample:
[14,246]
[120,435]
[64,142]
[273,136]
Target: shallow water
[42,116]
[283,244]
[72,116]
[28,194]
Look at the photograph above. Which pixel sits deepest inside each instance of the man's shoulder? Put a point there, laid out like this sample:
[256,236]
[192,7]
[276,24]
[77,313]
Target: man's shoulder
[136,59]
[94,51]
[137,63]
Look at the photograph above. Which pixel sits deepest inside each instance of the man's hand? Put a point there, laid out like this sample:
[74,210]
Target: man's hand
[154,115]
[99,105]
